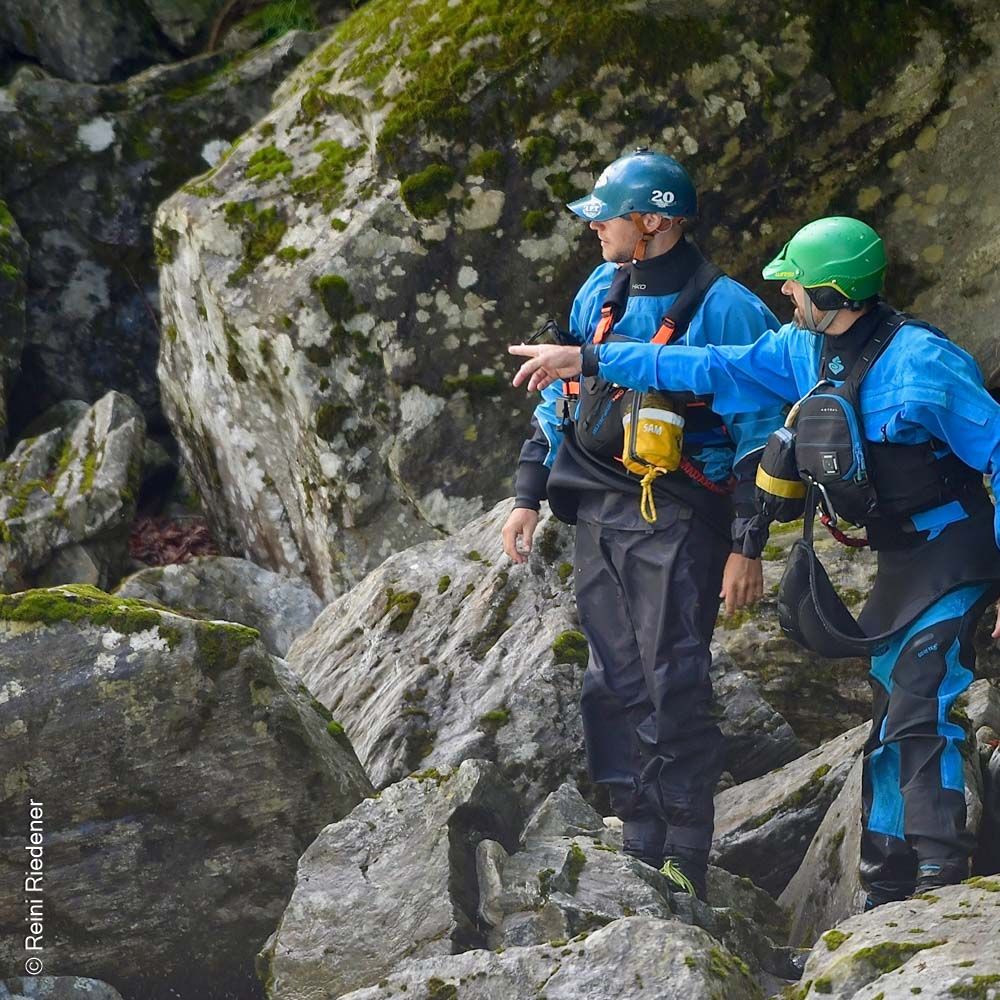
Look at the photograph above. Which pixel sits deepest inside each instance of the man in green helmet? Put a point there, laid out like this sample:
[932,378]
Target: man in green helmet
[928,431]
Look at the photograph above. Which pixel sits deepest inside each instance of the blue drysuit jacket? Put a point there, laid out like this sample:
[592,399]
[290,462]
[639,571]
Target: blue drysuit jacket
[729,314]
[923,386]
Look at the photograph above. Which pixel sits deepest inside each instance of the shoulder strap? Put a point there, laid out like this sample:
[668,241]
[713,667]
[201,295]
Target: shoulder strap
[614,302]
[872,351]
[674,324]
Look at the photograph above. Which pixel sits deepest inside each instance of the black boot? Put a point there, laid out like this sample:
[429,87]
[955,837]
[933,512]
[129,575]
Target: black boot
[687,869]
[937,874]
[880,893]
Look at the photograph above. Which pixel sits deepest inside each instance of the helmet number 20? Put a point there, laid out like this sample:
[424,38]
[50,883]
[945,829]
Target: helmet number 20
[662,199]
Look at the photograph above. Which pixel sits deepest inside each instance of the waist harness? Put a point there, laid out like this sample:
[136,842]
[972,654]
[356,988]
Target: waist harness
[876,485]
[643,431]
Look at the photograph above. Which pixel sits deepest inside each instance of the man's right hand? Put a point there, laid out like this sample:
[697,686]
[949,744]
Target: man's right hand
[518,532]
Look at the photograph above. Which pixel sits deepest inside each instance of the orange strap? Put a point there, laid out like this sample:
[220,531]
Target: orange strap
[571,387]
[604,325]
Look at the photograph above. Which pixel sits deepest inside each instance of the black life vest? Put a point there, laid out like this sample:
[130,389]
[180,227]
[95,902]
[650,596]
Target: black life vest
[597,422]
[877,485]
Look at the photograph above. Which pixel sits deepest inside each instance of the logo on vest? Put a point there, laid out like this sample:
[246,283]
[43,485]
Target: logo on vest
[662,199]
[835,365]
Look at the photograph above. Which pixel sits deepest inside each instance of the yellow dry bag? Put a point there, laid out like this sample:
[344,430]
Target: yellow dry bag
[654,435]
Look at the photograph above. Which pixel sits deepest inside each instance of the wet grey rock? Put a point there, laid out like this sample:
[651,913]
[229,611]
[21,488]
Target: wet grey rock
[764,827]
[121,149]
[940,946]
[13,286]
[92,40]
[234,590]
[68,498]
[636,958]
[827,887]
[446,652]
[396,879]
[182,771]
[987,859]
[56,988]
[758,739]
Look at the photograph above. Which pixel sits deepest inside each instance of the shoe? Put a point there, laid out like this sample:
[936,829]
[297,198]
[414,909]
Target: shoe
[688,871]
[932,875]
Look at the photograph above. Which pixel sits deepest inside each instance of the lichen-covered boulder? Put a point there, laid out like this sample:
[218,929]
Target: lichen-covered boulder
[67,498]
[448,652]
[395,879]
[232,589]
[398,219]
[179,771]
[120,149]
[764,827]
[940,946]
[13,284]
[635,958]
[56,988]
[827,886]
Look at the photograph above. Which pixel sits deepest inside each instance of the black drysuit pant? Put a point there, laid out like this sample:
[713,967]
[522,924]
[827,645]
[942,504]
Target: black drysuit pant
[648,601]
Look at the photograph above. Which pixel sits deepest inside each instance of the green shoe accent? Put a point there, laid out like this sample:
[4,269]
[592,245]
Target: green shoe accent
[673,873]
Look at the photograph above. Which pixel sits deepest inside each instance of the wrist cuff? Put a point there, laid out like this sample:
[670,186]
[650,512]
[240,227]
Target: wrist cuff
[590,359]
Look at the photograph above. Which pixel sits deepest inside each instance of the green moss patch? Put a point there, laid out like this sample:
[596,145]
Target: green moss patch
[262,230]
[571,647]
[491,722]
[267,163]
[326,183]
[335,294]
[834,939]
[576,861]
[977,988]
[890,955]
[82,603]
[400,605]
[489,164]
[425,193]
[802,796]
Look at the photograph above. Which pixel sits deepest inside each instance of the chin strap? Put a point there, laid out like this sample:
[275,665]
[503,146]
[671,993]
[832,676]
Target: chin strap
[639,253]
[810,317]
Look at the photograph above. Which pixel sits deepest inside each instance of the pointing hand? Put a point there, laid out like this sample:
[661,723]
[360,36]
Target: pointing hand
[546,363]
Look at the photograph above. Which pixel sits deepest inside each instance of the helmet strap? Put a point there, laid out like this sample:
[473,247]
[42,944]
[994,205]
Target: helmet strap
[810,317]
[639,253]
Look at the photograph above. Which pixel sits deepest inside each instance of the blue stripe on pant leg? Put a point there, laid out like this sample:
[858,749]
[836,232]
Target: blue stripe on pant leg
[955,681]
[886,814]
[887,802]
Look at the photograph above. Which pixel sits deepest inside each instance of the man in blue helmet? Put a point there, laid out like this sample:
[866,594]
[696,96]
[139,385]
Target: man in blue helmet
[920,431]
[648,590]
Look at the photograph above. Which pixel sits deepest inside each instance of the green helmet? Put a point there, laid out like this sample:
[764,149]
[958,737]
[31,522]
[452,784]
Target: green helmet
[838,253]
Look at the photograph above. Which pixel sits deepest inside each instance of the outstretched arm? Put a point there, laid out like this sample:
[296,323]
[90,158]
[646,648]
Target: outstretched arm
[741,379]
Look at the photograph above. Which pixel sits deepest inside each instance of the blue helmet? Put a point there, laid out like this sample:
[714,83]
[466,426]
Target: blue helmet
[642,181]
